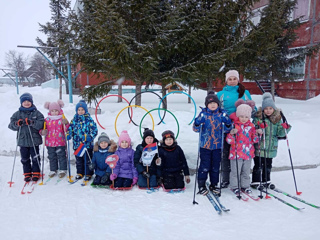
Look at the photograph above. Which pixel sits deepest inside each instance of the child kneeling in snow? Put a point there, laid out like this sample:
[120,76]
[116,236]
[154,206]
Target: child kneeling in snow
[124,174]
[102,149]
[173,162]
[55,139]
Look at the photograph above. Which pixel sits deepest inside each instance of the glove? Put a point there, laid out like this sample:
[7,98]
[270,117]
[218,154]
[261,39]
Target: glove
[29,122]
[44,132]
[187,179]
[65,121]
[158,161]
[233,131]
[113,176]
[285,125]
[262,125]
[259,131]
[105,178]
[134,180]
[92,166]
[146,174]
[200,119]
[19,122]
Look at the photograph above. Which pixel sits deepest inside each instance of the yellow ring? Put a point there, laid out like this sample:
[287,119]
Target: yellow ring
[115,122]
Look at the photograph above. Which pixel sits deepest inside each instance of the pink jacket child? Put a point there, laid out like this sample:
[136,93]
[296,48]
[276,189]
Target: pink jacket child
[55,140]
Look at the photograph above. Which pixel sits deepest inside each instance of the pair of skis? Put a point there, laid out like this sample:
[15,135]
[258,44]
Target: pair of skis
[245,196]
[214,199]
[28,187]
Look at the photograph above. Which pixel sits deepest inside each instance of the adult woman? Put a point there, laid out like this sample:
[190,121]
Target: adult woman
[233,91]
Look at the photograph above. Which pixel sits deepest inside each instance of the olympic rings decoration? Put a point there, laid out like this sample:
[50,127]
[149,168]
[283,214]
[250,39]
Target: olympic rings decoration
[113,95]
[195,107]
[115,122]
[159,110]
[161,119]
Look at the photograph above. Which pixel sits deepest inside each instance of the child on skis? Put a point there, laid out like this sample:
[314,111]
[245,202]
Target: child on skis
[55,139]
[102,149]
[241,138]
[124,174]
[27,121]
[210,123]
[268,121]
[153,171]
[173,162]
[82,129]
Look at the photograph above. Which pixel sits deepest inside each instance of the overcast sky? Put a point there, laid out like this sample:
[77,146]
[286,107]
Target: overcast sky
[19,25]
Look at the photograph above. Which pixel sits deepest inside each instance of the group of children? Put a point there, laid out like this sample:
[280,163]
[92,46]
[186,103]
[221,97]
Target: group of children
[168,166]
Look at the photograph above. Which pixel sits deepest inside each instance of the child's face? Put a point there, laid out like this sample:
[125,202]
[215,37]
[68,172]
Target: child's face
[268,111]
[232,81]
[81,111]
[243,119]
[26,104]
[54,112]
[124,144]
[104,144]
[149,140]
[168,141]
[213,106]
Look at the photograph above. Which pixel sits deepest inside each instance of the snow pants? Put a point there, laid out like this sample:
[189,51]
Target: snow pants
[122,182]
[142,181]
[57,158]
[256,169]
[225,162]
[243,171]
[82,163]
[209,163]
[173,180]
[32,165]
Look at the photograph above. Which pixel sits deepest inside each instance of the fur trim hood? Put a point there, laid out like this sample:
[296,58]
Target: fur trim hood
[274,118]
[112,148]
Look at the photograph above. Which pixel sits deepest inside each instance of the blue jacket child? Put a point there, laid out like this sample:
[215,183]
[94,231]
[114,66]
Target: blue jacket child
[82,129]
[102,149]
[210,123]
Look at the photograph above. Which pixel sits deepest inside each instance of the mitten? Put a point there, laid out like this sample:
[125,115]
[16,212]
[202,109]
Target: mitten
[146,174]
[285,125]
[259,131]
[113,176]
[65,121]
[200,119]
[158,161]
[92,166]
[263,125]
[44,132]
[19,122]
[105,177]
[187,179]
[134,180]
[233,131]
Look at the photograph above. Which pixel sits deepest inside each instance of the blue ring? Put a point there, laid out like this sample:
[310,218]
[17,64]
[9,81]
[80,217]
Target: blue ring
[195,107]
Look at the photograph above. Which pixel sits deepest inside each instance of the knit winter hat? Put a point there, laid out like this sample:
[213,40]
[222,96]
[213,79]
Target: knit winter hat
[240,101]
[54,105]
[244,110]
[267,101]
[103,138]
[148,132]
[168,134]
[26,97]
[82,104]
[211,97]
[232,73]
[124,136]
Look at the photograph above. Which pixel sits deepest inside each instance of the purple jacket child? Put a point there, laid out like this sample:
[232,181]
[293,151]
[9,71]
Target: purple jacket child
[125,173]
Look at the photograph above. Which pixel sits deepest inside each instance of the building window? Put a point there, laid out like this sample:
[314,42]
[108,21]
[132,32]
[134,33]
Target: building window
[302,10]
[298,69]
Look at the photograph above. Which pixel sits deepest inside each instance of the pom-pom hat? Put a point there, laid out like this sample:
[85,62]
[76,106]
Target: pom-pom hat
[267,101]
[124,136]
[54,105]
[103,138]
[244,108]
[211,97]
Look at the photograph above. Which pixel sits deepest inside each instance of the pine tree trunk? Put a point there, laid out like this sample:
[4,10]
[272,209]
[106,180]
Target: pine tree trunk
[164,92]
[138,91]
[189,92]
[272,86]
[210,85]
[120,93]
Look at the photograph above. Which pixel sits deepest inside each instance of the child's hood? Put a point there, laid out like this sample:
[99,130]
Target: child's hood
[274,118]
[112,147]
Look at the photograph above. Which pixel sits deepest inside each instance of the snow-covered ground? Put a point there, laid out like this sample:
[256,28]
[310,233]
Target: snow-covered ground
[64,211]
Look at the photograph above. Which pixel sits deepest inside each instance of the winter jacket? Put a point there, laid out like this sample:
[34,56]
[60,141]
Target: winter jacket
[82,129]
[245,138]
[273,130]
[153,169]
[38,120]
[56,136]
[229,95]
[125,165]
[99,158]
[211,133]
[173,159]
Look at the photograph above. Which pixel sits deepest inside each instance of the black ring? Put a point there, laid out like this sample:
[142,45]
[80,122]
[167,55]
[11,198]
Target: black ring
[165,106]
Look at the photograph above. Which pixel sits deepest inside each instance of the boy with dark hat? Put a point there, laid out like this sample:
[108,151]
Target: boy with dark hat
[209,124]
[27,121]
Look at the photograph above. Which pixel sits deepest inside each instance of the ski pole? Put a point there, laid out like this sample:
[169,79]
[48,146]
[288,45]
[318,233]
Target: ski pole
[236,153]
[265,155]
[34,148]
[15,156]
[44,140]
[260,168]
[195,182]
[68,150]
[222,146]
[285,130]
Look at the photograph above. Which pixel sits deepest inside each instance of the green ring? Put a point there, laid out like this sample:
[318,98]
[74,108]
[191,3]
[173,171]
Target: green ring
[159,109]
